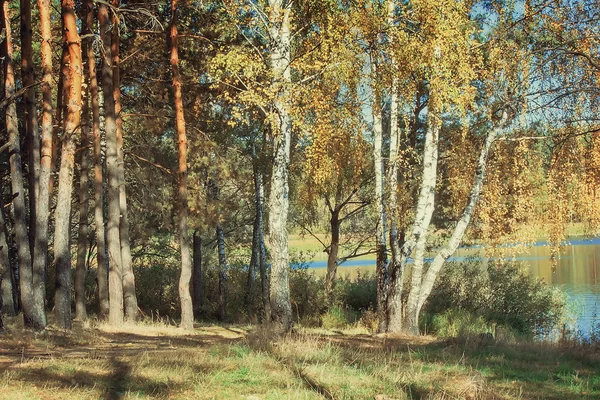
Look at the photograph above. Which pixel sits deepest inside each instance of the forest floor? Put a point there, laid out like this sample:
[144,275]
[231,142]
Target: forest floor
[234,362]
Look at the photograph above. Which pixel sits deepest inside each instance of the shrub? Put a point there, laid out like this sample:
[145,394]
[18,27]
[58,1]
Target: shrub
[503,293]
[338,317]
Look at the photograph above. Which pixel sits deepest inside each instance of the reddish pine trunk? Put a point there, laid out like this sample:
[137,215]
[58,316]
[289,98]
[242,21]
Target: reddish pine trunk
[43,201]
[115,274]
[187,311]
[16,175]
[62,235]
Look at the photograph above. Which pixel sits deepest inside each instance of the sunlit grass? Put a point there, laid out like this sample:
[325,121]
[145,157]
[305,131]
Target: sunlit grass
[142,361]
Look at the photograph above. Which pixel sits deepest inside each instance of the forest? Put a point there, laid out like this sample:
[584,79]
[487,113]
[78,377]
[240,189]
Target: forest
[156,157]
[165,163]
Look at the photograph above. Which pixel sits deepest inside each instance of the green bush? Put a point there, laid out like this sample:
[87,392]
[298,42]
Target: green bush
[502,293]
[338,317]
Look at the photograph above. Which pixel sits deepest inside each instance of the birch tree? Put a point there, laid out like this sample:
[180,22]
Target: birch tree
[280,57]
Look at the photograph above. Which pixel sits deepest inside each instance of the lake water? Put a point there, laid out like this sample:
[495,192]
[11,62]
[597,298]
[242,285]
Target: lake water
[577,273]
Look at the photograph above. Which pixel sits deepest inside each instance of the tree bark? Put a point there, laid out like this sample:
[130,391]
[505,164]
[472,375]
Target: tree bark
[257,234]
[425,206]
[40,253]
[281,308]
[112,167]
[31,123]
[459,230]
[62,235]
[16,175]
[187,310]
[129,296]
[102,273]
[332,256]
[62,93]
[222,273]
[381,269]
[84,198]
[261,256]
[396,270]
[6,275]
[198,277]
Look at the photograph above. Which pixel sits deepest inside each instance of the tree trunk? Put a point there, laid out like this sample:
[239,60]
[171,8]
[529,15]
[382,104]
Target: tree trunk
[425,206]
[332,257]
[129,296]
[62,93]
[62,235]
[396,270]
[222,273]
[31,123]
[84,199]
[112,167]
[256,231]
[198,277]
[281,308]
[16,175]
[187,310]
[40,254]
[459,230]
[6,275]
[102,273]
[381,269]
[261,256]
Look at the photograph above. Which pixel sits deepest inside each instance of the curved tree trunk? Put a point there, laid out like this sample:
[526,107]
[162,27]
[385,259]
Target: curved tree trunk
[129,296]
[187,310]
[281,308]
[102,273]
[424,213]
[115,283]
[433,271]
[16,176]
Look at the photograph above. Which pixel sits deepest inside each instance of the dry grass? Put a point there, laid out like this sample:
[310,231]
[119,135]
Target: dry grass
[142,361]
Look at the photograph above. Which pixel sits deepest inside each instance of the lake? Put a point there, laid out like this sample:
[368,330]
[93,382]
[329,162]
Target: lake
[577,273]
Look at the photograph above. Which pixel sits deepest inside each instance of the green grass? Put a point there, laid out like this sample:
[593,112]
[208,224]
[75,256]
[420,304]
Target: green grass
[232,363]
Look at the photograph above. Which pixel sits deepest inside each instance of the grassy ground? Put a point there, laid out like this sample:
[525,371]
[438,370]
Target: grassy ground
[144,362]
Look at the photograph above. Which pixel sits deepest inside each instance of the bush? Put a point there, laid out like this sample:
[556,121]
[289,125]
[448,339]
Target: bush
[338,317]
[503,293]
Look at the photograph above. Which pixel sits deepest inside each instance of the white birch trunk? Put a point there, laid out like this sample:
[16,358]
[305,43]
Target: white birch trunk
[380,239]
[465,219]
[281,309]
[418,237]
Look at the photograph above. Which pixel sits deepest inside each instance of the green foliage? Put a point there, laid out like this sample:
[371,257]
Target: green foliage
[338,317]
[456,323]
[502,293]
[157,289]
